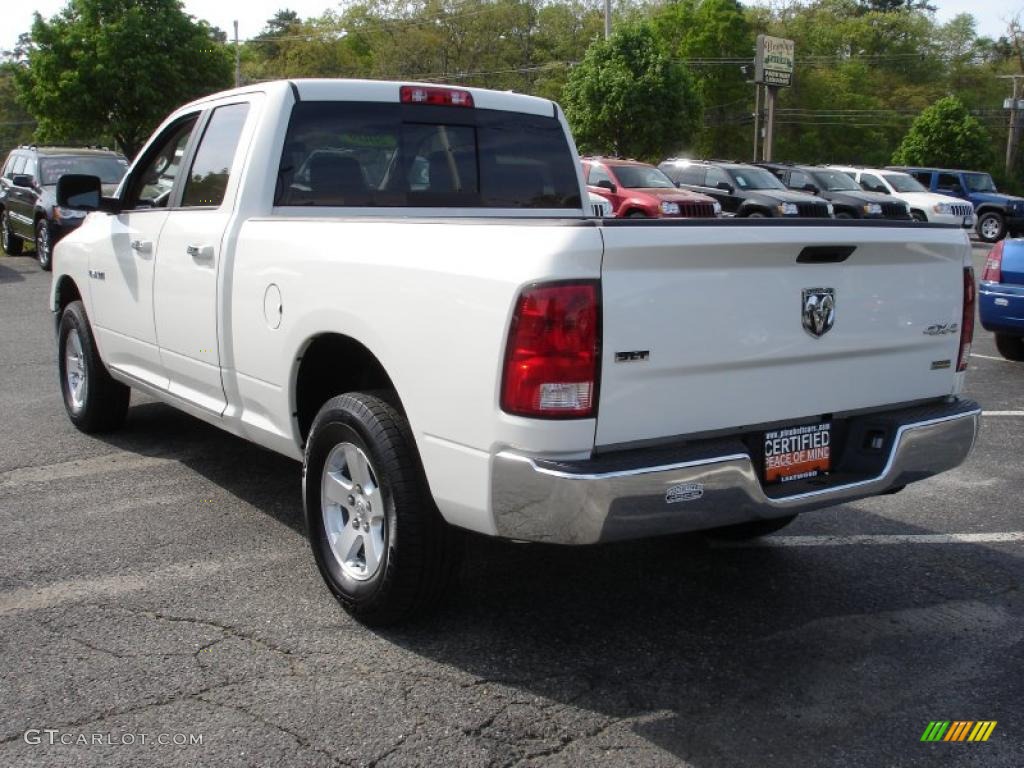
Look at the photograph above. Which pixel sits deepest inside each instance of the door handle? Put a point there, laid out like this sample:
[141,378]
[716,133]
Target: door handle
[200,253]
[142,246]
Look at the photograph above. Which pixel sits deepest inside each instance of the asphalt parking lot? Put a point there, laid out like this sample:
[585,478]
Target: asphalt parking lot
[157,587]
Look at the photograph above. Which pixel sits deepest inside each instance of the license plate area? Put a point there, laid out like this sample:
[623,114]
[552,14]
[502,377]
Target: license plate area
[797,453]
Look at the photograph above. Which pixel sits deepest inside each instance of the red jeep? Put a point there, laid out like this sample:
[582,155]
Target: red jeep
[641,190]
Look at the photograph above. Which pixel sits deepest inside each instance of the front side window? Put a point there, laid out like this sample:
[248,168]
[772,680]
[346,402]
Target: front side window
[597,175]
[799,180]
[153,181]
[687,174]
[30,168]
[18,166]
[756,178]
[643,177]
[979,182]
[207,181]
[400,155]
[108,169]
[902,182]
[715,177]
[836,181]
[925,177]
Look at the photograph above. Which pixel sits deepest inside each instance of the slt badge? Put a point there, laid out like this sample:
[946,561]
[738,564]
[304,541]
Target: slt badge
[818,310]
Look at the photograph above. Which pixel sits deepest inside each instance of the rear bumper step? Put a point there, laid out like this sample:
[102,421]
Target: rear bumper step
[708,485]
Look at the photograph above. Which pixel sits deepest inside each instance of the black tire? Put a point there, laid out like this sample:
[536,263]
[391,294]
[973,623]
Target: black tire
[636,215]
[11,243]
[919,217]
[757,215]
[994,223]
[1010,347]
[420,552]
[752,530]
[103,403]
[44,245]
[843,215]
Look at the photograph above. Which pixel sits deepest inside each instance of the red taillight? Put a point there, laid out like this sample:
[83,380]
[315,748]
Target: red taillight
[444,97]
[967,323]
[994,264]
[551,361]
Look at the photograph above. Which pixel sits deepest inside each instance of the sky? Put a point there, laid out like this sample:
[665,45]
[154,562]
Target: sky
[16,16]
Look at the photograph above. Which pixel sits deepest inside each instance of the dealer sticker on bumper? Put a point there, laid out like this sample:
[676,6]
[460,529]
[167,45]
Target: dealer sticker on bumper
[797,453]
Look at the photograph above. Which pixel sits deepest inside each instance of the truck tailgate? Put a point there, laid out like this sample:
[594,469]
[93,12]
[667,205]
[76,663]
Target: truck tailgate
[704,325]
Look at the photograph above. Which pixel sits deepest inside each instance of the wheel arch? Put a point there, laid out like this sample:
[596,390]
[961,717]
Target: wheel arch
[65,291]
[984,208]
[329,364]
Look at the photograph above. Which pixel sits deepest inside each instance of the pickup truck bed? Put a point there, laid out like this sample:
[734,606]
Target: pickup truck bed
[449,340]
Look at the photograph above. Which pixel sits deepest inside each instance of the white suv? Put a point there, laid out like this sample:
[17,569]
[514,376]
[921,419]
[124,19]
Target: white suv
[924,205]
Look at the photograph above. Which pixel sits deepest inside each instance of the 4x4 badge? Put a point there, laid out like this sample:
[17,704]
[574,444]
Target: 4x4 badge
[819,310]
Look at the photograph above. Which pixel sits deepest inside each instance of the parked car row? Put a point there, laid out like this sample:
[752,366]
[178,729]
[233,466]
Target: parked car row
[29,213]
[685,188]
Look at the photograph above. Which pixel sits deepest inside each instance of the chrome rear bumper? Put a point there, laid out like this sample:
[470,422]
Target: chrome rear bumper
[713,484]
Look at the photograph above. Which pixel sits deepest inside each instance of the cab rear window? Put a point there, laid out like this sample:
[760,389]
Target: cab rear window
[411,155]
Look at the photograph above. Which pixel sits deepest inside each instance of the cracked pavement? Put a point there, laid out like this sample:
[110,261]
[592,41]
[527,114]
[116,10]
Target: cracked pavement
[158,581]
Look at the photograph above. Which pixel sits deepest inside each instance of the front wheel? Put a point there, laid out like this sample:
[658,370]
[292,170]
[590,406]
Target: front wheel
[44,246]
[636,215]
[378,540]
[756,215]
[12,244]
[991,227]
[752,530]
[919,217]
[94,401]
[1010,347]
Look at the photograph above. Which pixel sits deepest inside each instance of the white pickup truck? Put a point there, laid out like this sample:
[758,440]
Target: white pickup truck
[403,286]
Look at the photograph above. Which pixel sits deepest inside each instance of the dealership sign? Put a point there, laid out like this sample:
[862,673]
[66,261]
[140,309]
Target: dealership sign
[774,62]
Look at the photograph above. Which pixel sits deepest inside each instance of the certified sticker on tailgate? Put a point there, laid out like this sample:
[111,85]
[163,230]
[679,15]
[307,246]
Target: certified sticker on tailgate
[797,453]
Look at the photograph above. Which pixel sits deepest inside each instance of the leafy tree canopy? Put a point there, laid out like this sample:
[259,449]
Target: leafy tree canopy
[945,134]
[117,67]
[628,96]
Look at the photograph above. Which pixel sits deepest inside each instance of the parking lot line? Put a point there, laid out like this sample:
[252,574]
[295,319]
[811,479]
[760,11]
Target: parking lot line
[991,357]
[875,539]
[1002,413]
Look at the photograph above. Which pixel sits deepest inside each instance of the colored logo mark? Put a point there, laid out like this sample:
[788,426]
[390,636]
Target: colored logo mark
[958,730]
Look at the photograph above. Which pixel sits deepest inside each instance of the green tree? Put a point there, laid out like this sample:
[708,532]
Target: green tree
[945,134]
[117,67]
[628,96]
[707,31]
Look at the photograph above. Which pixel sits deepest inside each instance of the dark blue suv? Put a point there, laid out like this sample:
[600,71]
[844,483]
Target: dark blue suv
[998,214]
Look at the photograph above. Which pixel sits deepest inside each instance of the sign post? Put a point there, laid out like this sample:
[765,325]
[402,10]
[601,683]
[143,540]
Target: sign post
[773,67]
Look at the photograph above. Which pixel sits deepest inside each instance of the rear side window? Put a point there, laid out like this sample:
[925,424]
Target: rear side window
[400,155]
[948,181]
[208,180]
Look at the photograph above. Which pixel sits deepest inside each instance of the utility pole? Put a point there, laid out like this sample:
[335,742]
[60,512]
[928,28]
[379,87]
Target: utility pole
[1013,138]
[607,19]
[757,117]
[769,134]
[238,59]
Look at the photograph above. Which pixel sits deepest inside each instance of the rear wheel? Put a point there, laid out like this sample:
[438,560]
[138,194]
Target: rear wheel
[95,402]
[12,244]
[991,227]
[1010,347]
[377,537]
[44,247]
[752,530]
